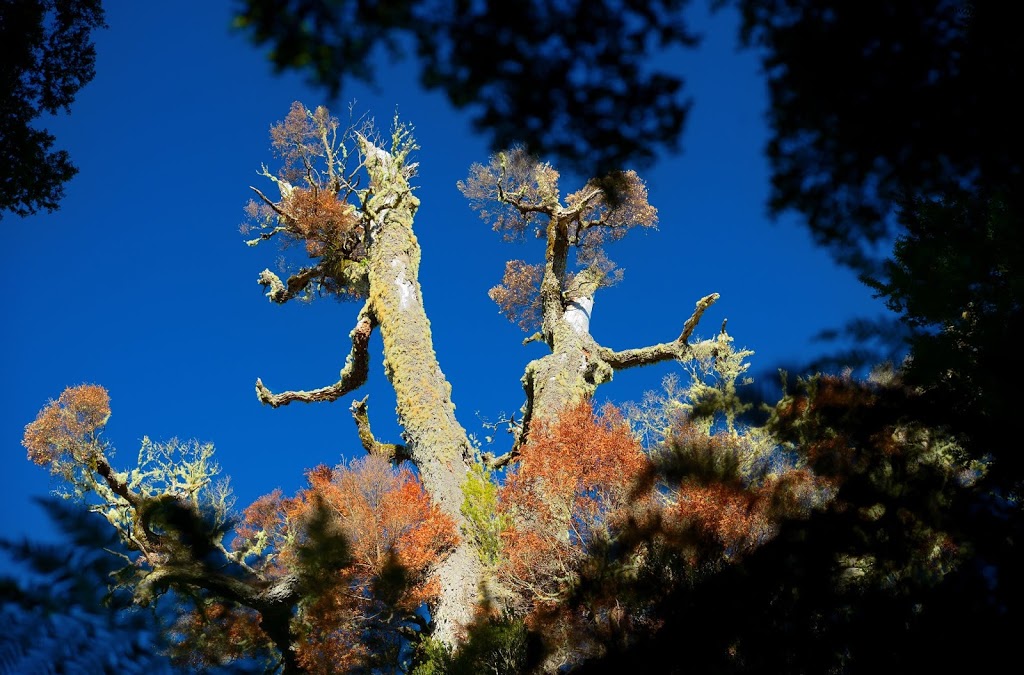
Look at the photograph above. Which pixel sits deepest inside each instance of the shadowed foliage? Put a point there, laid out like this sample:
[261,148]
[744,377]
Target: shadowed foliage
[61,616]
[48,57]
[890,570]
[870,101]
[570,79]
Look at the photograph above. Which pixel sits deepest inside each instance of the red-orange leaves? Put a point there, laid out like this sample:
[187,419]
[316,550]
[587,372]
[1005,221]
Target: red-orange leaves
[518,294]
[734,518]
[364,538]
[713,507]
[574,478]
[329,227]
[68,426]
[301,138]
[387,519]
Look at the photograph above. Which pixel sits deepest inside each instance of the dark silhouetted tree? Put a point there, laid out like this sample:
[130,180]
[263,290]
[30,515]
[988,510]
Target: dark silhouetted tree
[570,79]
[48,57]
[62,616]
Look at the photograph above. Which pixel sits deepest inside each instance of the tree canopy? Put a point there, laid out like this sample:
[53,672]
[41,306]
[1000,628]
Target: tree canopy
[851,526]
[569,78]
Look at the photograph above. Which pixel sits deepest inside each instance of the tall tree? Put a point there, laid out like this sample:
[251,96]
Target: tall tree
[579,548]
[360,246]
[383,259]
[48,57]
[519,195]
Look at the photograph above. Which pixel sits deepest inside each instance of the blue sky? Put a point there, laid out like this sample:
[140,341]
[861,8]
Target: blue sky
[141,282]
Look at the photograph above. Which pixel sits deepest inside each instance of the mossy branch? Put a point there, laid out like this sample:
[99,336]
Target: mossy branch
[679,349]
[353,375]
[393,452]
[280,292]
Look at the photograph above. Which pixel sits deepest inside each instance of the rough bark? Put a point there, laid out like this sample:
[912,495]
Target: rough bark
[577,364]
[434,440]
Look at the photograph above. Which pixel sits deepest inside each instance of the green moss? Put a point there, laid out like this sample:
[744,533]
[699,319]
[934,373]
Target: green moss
[480,508]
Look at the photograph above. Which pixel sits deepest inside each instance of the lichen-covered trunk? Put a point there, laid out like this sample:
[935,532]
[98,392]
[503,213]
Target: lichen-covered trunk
[573,370]
[436,442]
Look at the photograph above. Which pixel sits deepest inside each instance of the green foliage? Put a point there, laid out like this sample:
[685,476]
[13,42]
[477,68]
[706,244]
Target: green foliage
[868,103]
[714,380]
[493,647]
[176,482]
[956,277]
[711,396]
[480,507]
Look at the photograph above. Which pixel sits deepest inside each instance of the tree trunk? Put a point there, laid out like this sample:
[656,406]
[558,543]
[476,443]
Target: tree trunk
[435,441]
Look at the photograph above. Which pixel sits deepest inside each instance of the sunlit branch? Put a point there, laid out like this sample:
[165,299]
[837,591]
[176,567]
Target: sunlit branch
[521,206]
[282,185]
[280,292]
[698,312]
[266,235]
[678,349]
[269,202]
[393,452]
[353,375]
[492,461]
[116,485]
[574,213]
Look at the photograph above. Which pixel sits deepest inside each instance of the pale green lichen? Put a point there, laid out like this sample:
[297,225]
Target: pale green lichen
[484,524]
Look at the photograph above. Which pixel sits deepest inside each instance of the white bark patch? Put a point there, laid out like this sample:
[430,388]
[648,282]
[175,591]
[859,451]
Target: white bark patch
[405,288]
[577,314]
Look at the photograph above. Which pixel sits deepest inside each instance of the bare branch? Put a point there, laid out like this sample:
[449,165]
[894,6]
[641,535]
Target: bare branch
[393,452]
[269,202]
[281,293]
[493,462]
[266,235]
[698,312]
[353,375]
[666,351]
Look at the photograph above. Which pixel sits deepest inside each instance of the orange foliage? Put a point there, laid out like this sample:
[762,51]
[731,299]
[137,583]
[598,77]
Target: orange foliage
[620,205]
[574,479]
[298,139]
[711,508]
[518,294]
[511,177]
[386,517]
[215,634]
[329,227]
[392,537]
[735,518]
[67,426]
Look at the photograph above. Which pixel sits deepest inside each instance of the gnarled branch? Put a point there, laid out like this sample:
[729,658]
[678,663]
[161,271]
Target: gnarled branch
[393,452]
[280,292]
[493,462]
[680,348]
[353,375]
